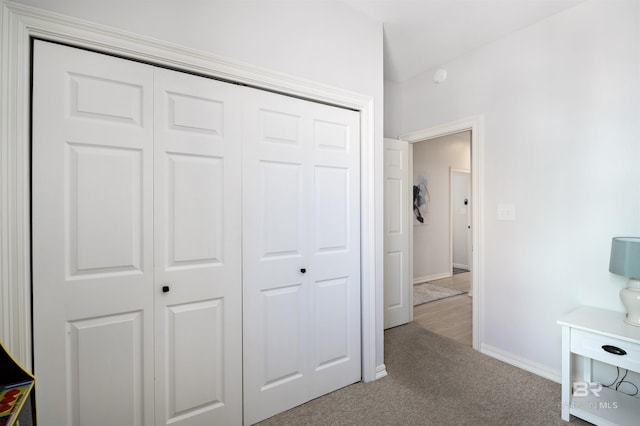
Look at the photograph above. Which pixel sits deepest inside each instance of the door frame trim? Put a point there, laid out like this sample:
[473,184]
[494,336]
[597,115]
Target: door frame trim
[475,125]
[20,24]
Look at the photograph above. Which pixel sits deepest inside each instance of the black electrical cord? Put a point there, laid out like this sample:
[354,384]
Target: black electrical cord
[616,379]
[616,383]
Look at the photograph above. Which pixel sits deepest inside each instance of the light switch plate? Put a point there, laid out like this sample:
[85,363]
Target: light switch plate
[506,212]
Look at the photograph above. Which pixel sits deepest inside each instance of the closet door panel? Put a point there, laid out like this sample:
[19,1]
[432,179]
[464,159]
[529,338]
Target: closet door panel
[195,234]
[275,249]
[331,316]
[284,355]
[114,341]
[195,337]
[334,212]
[92,224]
[198,251]
[332,209]
[282,213]
[114,200]
[301,251]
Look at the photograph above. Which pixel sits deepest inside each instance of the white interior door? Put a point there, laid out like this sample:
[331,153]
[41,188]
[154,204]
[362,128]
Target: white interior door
[460,218]
[92,216]
[198,268]
[301,251]
[398,280]
[109,236]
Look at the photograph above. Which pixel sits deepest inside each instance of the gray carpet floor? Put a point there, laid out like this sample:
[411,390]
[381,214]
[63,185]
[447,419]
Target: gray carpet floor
[433,380]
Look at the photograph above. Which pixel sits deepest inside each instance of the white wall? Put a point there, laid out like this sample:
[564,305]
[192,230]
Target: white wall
[392,109]
[324,42]
[433,160]
[327,42]
[560,101]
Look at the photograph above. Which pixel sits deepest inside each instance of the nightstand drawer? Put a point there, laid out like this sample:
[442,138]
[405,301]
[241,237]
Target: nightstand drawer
[590,345]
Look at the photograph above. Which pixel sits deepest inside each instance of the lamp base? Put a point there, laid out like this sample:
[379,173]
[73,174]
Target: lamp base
[630,297]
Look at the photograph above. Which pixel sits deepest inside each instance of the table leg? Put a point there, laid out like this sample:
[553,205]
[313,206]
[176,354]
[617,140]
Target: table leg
[566,373]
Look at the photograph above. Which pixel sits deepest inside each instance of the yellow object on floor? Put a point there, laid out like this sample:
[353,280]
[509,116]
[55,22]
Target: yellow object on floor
[17,401]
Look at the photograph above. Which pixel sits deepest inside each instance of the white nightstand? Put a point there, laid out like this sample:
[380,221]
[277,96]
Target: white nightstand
[597,334]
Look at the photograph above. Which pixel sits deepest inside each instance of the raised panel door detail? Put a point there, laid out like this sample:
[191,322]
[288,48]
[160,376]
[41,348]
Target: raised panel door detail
[105,209]
[99,98]
[195,210]
[394,211]
[281,312]
[280,208]
[279,127]
[106,350]
[195,357]
[393,273]
[393,159]
[195,114]
[333,136]
[332,208]
[331,322]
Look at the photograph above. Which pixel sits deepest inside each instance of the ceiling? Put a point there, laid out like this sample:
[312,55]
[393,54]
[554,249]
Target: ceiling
[422,34]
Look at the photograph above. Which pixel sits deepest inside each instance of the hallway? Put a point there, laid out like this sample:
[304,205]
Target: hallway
[450,317]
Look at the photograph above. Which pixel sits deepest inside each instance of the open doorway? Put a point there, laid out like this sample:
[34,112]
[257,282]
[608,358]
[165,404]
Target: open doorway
[399,223]
[474,126]
[441,231]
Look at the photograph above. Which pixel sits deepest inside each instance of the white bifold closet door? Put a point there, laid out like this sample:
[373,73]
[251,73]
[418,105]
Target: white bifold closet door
[136,251]
[301,251]
[187,234]
[198,263]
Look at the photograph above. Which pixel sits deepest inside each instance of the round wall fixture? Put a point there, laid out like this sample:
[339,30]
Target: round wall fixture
[440,75]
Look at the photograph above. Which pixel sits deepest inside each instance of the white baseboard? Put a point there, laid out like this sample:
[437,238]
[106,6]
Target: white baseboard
[461,266]
[523,363]
[381,371]
[417,280]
